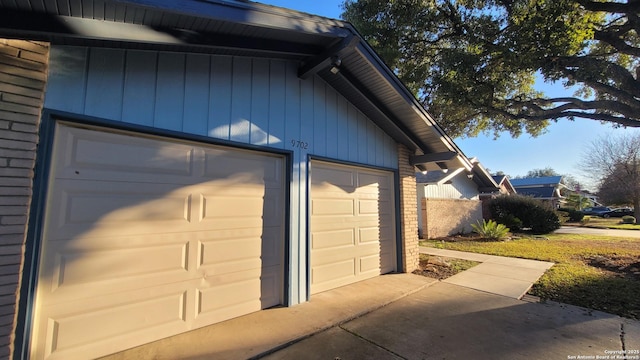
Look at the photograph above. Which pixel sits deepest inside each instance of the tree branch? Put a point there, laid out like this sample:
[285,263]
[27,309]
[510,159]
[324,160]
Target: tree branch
[611,7]
[615,41]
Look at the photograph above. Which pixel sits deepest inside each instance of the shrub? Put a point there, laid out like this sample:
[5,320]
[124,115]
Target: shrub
[510,221]
[490,229]
[574,215]
[628,219]
[585,220]
[533,214]
[563,216]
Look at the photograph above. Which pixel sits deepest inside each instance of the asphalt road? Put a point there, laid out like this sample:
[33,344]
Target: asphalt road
[591,231]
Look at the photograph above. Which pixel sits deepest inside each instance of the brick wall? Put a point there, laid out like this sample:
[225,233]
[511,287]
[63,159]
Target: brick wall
[408,210]
[23,74]
[442,217]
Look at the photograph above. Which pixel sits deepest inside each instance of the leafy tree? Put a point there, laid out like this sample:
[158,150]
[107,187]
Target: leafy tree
[613,191]
[473,63]
[616,160]
[577,201]
[541,173]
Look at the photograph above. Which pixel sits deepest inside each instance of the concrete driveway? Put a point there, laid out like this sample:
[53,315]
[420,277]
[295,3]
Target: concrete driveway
[406,316]
[476,314]
[446,321]
[592,231]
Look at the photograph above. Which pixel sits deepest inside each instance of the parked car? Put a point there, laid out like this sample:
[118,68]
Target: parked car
[596,210]
[618,212]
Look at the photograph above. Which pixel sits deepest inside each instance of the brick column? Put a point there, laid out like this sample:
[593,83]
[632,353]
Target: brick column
[408,210]
[23,75]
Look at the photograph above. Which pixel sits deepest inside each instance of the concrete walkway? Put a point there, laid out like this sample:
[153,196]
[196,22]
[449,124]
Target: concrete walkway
[498,275]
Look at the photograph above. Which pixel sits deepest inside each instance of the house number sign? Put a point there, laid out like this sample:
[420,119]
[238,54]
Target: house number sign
[299,144]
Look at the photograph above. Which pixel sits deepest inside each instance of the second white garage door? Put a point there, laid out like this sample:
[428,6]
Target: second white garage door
[146,237]
[352,224]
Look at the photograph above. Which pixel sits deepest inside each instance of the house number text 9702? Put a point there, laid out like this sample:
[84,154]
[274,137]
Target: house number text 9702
[299,144]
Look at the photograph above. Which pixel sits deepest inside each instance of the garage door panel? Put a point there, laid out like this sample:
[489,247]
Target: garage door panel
[225,300]
[370,263]
[334,271]
[332,207]
[236,294]
[369,235]
[331,239]
[77,268]
[366,207]
[229,165]
[88,154]
[331,178]
[71,331]
[96,208]
[351,221]
[91,290]
[123,208]
[373,182]
[338,253]
[232,255]
[64,328]
[266,243]
[169,251]
[219,206]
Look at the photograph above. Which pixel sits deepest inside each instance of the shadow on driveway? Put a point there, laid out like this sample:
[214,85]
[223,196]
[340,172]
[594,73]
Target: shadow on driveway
[446,321]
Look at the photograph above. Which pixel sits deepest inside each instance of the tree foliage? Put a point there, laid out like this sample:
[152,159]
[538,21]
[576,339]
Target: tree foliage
[473,63]
[616,161]
[576,201]
[541,173]
[613,192]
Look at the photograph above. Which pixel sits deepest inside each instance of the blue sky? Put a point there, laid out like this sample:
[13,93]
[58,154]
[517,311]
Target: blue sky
[560,148]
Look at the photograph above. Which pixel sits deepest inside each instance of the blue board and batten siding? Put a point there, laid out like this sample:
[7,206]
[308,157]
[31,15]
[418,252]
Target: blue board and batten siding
[246,100]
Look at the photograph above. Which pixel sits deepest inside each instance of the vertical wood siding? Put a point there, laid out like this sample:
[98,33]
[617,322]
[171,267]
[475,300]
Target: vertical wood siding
[252,101]
[460,187]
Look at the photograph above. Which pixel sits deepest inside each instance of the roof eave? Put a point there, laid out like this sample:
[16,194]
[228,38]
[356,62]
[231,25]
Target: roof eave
[383,97]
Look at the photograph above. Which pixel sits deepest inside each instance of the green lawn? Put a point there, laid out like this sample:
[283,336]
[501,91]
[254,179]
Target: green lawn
[593,272]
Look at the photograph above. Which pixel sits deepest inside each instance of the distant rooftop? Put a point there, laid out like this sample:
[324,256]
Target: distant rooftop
[498,178]
[541,192]
[537,181]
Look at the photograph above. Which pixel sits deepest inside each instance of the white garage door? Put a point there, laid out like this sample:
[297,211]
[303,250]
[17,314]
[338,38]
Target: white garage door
[145,238]
[352,224]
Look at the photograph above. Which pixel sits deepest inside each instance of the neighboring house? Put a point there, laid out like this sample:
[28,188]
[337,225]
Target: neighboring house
[449,201]
[593,198]
[166,165]
[545,188]
[506,188]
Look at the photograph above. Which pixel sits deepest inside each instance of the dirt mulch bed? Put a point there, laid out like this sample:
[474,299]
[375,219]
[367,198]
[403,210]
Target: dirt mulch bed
[621,266]
[440,267]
